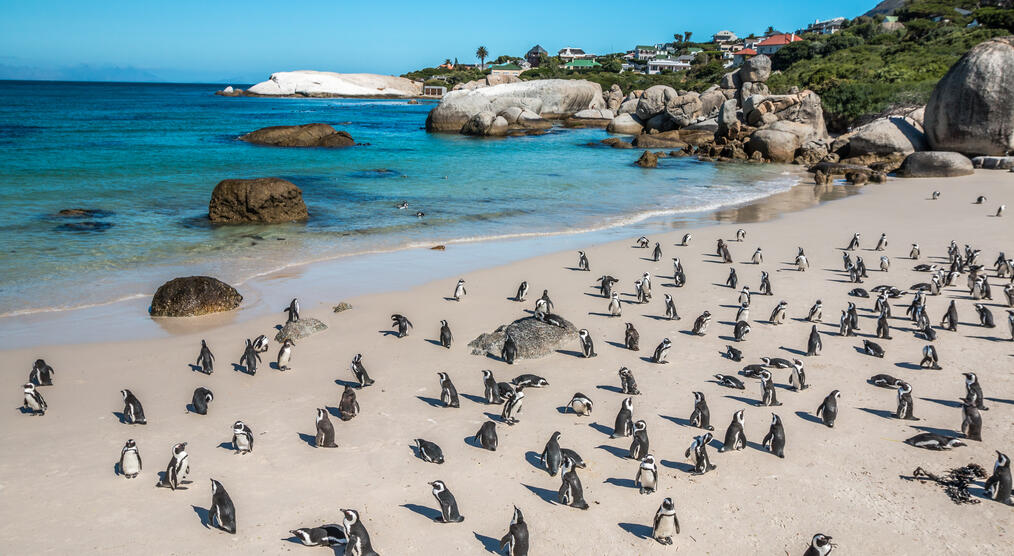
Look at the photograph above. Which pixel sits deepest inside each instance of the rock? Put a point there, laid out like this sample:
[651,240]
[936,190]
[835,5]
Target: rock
[299,329]
[756,69]
[821,178]
[971,110]
[810,153]
[837,169]
[878,177]
[307,135]
[228,89]
[648,160]
[625,123]
[193,296]
[654,101]
[660,122]
[710,125]
[532,121]
[84,213]
[774,145]
[984,162]
[883,162]
[261,200]
[728,120]
[230,92]
[933,164]
[412,101]
[730,80]
[591,117]
[628,107]
[342,307]
[485,124]
[614,98]
[488,81]
[664,140]
[856,178]
[534,338]
[511,114]
[886,136]
[684,109]
[330,84]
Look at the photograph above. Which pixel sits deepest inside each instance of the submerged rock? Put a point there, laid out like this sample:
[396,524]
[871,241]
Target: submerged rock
[192,296]
[534,338]
[648,160]
[296,330]
[307,135]
[261,200]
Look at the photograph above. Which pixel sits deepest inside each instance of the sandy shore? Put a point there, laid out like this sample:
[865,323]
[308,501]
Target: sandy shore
[60,493]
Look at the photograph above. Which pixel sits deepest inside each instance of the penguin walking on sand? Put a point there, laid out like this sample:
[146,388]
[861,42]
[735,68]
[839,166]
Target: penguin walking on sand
[614,305]
[701,324]
[624,424]
[765,284]
[429,451]
[820,545]
[571,492]
[697,453]
[646,479]
[854,242]
[358,538]
[740,234]
[285,355]
[885,263]
[665,525]
[512,407]
[814,343]
[133,413]
[642,242]
[515,542]
[726,255]
[774,440]
[816,312]
[402,323]
[744,296]
[828,409]
[631,338]
[359,371]
[486,436]
[459,290]
[242,438]
[679,278]
[200,400]
[735,435]
[581,404]
[686,239]
[582,261]
[178,468]
[325,430]
[551,457]
[740,331]
[743,313]
[223,512]
[348,407]
[999,210]
[985,316]
[950,320]
[206,359]
[733,280]
[701,415]
[522,291]
[41,374]
[510,348]
[639,445]
[768,396]
[802,264]
[250,358]
[491,392]
[670,308]
[448,393]
[758,257]
[973,391]
[445,334]
[628,385]
[292,310]
[130,460]
[656,253]
[884,326]
[448,505]
[845,326]
[905,408]
[998,485]
[881,243]
[1010,323]
[914,252]
[778,314]
[971,421]
[661,354]
[606,286]
[587,346]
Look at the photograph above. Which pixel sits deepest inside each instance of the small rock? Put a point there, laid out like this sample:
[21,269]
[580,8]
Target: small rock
[299,329]
[343,306]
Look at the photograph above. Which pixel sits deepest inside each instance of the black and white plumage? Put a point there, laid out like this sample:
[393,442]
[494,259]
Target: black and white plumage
[529,381]
[250,358]
[656,253]
[571,492]
[971,421]
[854,242]
[744,296]
[973,391]
[285,354]
[614,307]
[740,331]
[631,338]
[646,479]
[429,451]
[697,453]
[905,406]
[934,441]
[581,404]
[670,308]
[130,460]
[816,312]
[582,261]
[624,424]
[325,430]
[643,243]
[701,324]
[459,290]
[950,320]
[686,239]
[797,376]
[828,409]
[292,310]
[606,285]
[765,284]
[768,395]
[740,234]
[359,371]
[551,456]
[512,407]
[758,257]
[700,417]
[491,392]
[445,334]
[628,385]
[133,413]
[509,352]
[544,303]
[206,359]
[222,513]
[639,445]
[325,535]
[661,354]
[41,373]
[735,434]
[733,353]
[802,264]
[515,542]
[752,370]
[448,393]
[402,323]
[820,545]
[522,291]
[260,343]
[587,345]
[884,381]
[743,313]
[774,440]
[998,485]
[178,468]
[730,381]
[200,400]
[486,436]
[814,344]
[448,505]
[348,406]
[873,348]
[358,538]
[985,315]
[733,280]
[242,438]
[779,313]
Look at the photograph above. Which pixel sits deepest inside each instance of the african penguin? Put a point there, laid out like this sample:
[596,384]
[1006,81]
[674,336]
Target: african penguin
[701,415]
[828,409]
[41,373]
[448,393]
[285,355]
[735,435]
[222,513]
[774,440]
[459,290]
[698,454]
[486,436]
[571,492]
[512,407]
[402,323]
[646,479]
[628,385]
[429,451]
[580,404]
[348,407]
[133,413]
[206,359]
[631,338]
[448,505]
[178,468]
[515,542]
[662,352]
[359,371]
[130,460]
[325,430]
[639,446]
[587,346]
[624,425]
[200,400]
[358,538]
[242,438]
[445,334]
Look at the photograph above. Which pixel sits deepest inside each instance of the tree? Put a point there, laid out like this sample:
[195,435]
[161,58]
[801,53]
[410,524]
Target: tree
[481,54]
[687,35]
[612,65]
[769,31]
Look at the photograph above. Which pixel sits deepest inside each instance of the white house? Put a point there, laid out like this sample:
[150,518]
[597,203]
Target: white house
[723,36]
[668,63]
[827,27]
[569,54]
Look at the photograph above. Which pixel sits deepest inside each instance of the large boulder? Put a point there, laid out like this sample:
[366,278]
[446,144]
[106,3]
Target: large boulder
[728,119]
[614,98]
[664,140]
[485,124]
[935,164]
[971,110]
[329,84]
[711,101]
[625,123]
[299,329]
[260,200]
[886,136]
[654,101]
[684,109]
[591,117]
[994,162]
[307,135]
[774,145]
[730,80]
[629,106]
[193,296]
[534,338]
[756,69]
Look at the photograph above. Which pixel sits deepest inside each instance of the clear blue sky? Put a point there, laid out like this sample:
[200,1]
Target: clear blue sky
[211,40]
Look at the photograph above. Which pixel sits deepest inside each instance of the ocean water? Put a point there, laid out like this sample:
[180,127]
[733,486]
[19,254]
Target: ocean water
[145,158]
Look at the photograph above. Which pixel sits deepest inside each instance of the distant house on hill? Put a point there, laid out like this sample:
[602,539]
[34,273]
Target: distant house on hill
[508,69]
[724,36]
[669,63]
[534,55]
[434,91]
[569,54]
[827,27]
[774,43]
[740,56]
[644,52]
[582,64]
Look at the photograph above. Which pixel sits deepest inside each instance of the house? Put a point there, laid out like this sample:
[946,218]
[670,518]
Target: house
[569,54]
[774,43]
[434,91]
[723,36]
[642,52]
[582,65]
[509,69]
[668,63]
[740,56]
[827,27]
[534,55]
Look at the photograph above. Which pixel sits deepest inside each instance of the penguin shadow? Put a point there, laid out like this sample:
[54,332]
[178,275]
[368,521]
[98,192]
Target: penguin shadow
[638,530]
[990,338]
[747,401]
[274,365]
[595,295]
[647,359]
[546,494]
[226,446]
[434,342]
[947,403]
[601,428]
[728,338]
[1001,400]
[609,388]
[535,459]
[495,417]
[433,402]
[204,514]
[573,268]
[678,465]
[658,317]
[594,314]
[727,322]
[756,446]
[429,513]
[195,368]
[572,353]
[470,440]
[563,409]
[936,430]
[616,344]
[793,351]
[344,383]
[120,416]
[908,366]
[624,483]
[450,299]
[388,333]
[116,469]
[310,439]
[688,332]
[489,543]
[678,420]
[333,411]
[474,399]
[191,408]
[809,417]
[621,453]
[878,412]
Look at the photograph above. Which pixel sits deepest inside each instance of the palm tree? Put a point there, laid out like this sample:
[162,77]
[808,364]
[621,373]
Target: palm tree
[481,54]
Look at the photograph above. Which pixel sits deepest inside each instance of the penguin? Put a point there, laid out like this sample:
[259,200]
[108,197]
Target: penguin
[846,261]
[624,425]
[662,352]
[701,416]
[130,460]
[950,320]
[853,313]
[459,290]
[740,234]
[550,319]
[743,313]
[631,338]
[914,252]
[701,324]
[628,385]
[448,505]
[445,334]
[544,302]
[765,284]
[973,391]
[733,353]
[580,404]
[133,413]
[571,492]
[242,438]
[679,277]
[933,441]
[1010,323]
[670,308]
[491,392]
[646,479]
[929,358]
[686,239]
[884,381]
[429,451]
[606,286]
[348,407]
[551,456]
[744,296]
[735,436]
[512,407]
[41,374]
[719,246]
[885,263]
[260,343]
[881,243]
[777,362]
[768,396]
[873,348]
[205,359]
[292,310]
[740,331]
[359,371]
[522,291]
[883,327]
[854,243]
[757,257]
[642,242]
[998,485]
[486,436]
[325,430]
[448,393]
[820,545]
[402,323]
[816,312]
[285,355]
[222,513]
[529,381]
[328,535]
[935,195]
[797,376]
[778,315]
[999,210]
[698,454]
[510,348]
[732,281]
[639,446]
[178,468]
[813,343]
[730,381]
[802,264]
[202,397]
[587,346]
[828,409]
[971,421]
[726,255]
[985,316]
[656,253]
[774,440]
[752,371]
[904,402]
[614,305]
[515,542]
[358,538]
[845,326]
[980,199]
[250,358]
[859,292]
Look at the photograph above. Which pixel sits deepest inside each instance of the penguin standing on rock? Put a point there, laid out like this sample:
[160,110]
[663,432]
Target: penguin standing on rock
[206,359]
[544,303]
[515,542]
[998,485]
[133,413]
[223,512]
[448,505]
[828,409]
[587,346]
[130,460]
[571,492]
[735,436]
[359,371]
[445,334]
[774,440]
[697,453]
[250,358]
[41,374]
[242,438]
[358,538]
[292,310]
[646,479]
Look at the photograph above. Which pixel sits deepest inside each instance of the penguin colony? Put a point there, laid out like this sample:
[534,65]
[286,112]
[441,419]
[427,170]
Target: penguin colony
[955,271]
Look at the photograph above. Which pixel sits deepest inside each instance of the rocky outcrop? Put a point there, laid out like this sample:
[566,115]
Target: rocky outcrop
[935,164]
[625,123]
[534,338]
[663,108]
[774,145]
[261,200]
[308,83]
[549,98]
[591,117]
[193,296]
[614,98]
[994,162]
[485,124]
[307,135]
[230,92]
[755,70]
[887,136]
[488,81]
[299,329]
[648,160]
[971,110]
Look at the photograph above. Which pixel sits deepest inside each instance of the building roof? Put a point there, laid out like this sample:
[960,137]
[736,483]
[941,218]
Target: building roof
[571,50]
[745,52]
[537,49]
[507,66]
[582,64]
[645,47]
[779,40]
